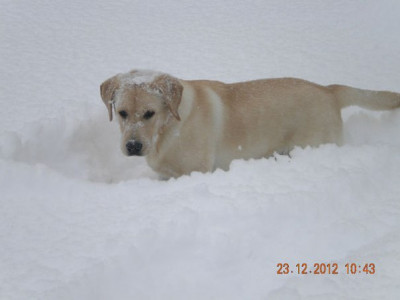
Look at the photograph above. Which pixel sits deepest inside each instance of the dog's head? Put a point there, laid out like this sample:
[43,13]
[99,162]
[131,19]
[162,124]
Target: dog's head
[144,102]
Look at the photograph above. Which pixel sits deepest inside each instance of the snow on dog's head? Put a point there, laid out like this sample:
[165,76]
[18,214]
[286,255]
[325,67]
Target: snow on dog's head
[138,77]
[145,102]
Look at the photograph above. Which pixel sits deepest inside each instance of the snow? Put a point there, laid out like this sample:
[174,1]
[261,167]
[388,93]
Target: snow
[138,77]
[79,220]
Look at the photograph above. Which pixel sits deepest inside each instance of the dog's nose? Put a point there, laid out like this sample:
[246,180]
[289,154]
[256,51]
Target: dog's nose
[134,148]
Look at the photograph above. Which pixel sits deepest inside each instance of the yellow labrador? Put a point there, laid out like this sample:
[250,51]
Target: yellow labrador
[184,126]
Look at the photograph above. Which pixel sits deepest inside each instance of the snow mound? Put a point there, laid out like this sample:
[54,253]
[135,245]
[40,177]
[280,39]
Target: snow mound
[86,150]
[98,225]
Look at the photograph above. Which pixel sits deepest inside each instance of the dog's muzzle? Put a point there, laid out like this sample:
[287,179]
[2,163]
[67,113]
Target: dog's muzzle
[134,148]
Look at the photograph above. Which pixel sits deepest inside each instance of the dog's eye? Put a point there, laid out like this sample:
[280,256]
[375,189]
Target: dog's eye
[123,114]
[148,114]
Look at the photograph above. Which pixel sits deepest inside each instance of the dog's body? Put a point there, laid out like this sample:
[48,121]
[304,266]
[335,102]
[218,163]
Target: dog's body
[185,126]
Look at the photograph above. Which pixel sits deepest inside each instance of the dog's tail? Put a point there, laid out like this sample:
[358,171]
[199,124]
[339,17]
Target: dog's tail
[374,100]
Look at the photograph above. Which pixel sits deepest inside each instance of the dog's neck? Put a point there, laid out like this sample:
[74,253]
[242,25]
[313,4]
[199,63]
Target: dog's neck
[169,132]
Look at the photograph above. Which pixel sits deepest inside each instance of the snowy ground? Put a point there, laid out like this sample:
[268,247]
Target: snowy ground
[80,221]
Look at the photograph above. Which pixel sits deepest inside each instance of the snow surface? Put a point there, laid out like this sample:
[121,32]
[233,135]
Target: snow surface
[78,220]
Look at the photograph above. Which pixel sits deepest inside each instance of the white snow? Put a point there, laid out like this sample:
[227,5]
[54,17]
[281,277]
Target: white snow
[138,77]
[78,220]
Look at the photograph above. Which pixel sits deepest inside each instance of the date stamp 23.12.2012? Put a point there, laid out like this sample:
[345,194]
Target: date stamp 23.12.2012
[325,268]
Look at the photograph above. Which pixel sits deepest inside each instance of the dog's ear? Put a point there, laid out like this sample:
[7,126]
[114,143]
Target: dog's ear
[171,90]
[107,91]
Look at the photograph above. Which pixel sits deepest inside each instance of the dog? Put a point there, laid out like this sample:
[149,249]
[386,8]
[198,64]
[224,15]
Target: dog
[184,126]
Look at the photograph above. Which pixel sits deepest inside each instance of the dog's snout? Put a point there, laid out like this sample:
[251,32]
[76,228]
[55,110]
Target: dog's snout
[134,148]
